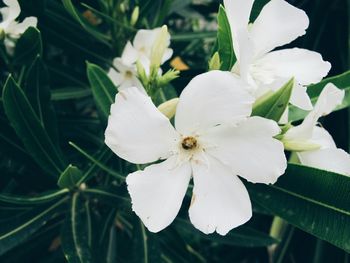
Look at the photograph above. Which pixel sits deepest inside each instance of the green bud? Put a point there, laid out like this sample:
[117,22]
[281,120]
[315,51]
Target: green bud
[215,63]
[135,16]
[141,73]
[159,48]
[300,146]
[168,108]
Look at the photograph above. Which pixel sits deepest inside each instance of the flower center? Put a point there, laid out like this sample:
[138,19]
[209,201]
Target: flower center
[189,143]
[128,74]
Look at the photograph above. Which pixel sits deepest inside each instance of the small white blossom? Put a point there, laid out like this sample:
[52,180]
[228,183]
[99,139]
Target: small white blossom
[125,76]
[325,154]
[279,23]
[142,50]
[10,28]
[213,141]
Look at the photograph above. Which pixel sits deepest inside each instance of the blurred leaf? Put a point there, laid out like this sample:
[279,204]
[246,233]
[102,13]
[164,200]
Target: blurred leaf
[32,200]
[189,36]
[273,105]
[242,236]
[103,89]
[70,93]
[38,93]
[76,233]
[225,42]
[342,81]
[28,47]
[30,130]
[109,196]
[70,177]
[15,230]
[313,200]
[88,27]
[145,245]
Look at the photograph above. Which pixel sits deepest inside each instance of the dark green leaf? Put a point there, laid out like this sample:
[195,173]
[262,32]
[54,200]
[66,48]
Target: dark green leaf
[242,236]
[76,233]
[103,89]
[28,47]
[71,93]
[272,106]
[90,29]
[225,42]
[32,200]
[30,130]
[313,200]
[16,230]
[38,93]
[70,177]
[145,245]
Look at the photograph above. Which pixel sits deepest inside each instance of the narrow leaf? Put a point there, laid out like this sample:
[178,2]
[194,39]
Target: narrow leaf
[30,130]
[225,42]
[28,47]
[76,232]
[313,200]
[103,89]
[32,200]
[272,106]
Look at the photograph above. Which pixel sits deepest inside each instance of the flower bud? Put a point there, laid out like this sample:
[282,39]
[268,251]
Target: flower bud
[300,146]
[215,63]
[159,47]
[135,16]
[168,108]
[2,34]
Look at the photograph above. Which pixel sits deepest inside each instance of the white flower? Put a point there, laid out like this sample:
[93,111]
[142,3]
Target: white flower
[279,23]
[324,155]
[141,48]
[213,141]
[125,77]
[11,29]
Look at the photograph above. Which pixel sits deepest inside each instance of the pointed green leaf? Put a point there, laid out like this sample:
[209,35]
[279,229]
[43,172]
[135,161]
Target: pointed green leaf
[103,89]
[273,105]
[28,47]
[30,130]
[76,233]
[242,236]
[19,228]
[225,42]
[70,177]
[32,200]
[38,92]
[313,200]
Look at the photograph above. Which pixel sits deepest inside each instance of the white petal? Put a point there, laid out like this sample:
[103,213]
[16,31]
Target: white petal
[249,149]
[157,192]
[238,13]
[278,24]
[306,66]
[10,12]
[332,159]
[137,131]
[167,54]
[212,98]
[220,201]
[322,137]
[115,76]
[329,98]
[300,98]
[130,54]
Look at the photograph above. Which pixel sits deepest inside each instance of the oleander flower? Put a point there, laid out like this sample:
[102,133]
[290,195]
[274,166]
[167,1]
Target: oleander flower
[321,150]
[149,47]
[213,141]
[125,76]
[279,23]
[10,29]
